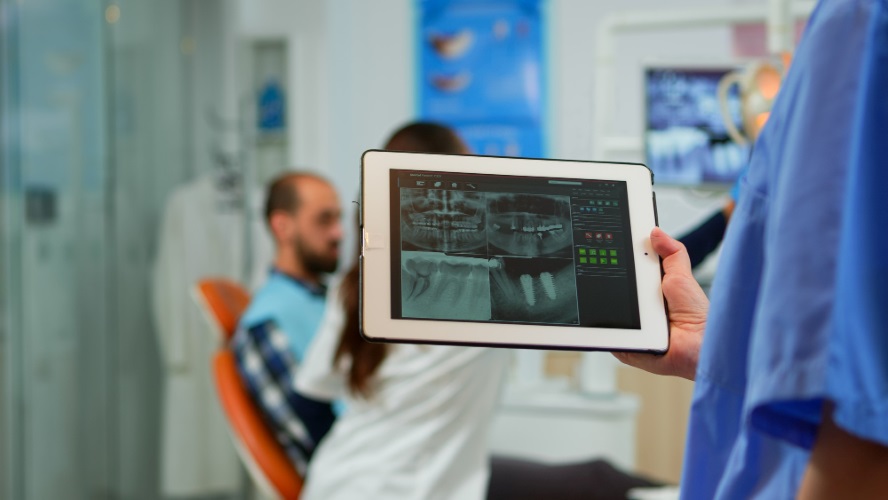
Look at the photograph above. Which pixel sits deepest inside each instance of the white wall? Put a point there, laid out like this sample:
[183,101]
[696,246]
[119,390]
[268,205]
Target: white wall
[301,25]
[350,66]
[352,72]
[573,35]
[371,87]
[573,29]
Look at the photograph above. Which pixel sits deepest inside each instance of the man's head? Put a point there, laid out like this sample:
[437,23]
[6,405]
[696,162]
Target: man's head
[303,214]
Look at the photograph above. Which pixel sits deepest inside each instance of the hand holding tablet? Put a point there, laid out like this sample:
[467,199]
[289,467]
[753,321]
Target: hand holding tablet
[509,252]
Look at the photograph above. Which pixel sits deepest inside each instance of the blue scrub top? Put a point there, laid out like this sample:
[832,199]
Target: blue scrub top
[857,376]
[797,304]
[296,308]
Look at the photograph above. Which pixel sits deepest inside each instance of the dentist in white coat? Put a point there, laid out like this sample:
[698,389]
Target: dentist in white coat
[417,417]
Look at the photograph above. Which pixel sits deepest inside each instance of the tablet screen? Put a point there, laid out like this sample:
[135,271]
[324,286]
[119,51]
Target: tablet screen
[526,250]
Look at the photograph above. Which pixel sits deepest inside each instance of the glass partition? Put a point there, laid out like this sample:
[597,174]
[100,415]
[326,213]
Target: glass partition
[101,114]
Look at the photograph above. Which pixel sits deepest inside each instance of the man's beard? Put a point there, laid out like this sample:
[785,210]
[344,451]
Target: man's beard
[316,263]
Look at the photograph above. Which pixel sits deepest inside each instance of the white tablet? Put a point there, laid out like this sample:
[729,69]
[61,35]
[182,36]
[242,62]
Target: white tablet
[479,250]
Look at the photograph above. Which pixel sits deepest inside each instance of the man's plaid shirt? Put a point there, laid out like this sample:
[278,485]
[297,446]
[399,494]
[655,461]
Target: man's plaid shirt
[268,369]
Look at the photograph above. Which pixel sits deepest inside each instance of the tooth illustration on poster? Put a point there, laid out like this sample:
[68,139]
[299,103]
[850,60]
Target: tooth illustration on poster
[452,46]
[481,71]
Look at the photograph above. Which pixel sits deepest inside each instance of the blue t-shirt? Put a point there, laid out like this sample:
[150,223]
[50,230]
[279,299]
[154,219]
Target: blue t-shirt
[294,306]
[797,304]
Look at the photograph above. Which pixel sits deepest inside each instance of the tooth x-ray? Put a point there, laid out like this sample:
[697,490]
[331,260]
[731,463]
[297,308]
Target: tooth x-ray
[501,249]
[436,284]
[443,221]
[439,286]
[529,225]
[686,140]
[533,290]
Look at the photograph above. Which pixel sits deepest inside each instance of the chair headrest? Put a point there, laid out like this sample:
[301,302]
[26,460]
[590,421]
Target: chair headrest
[226,300]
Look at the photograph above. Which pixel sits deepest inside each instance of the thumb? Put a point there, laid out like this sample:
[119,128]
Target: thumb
[674,254]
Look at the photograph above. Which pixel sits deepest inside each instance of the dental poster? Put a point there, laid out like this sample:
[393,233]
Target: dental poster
[481,72]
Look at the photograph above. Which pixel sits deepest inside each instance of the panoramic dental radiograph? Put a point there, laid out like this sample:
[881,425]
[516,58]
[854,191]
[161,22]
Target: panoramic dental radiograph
[442,221]
[529,225]
[438,286]
[533,290]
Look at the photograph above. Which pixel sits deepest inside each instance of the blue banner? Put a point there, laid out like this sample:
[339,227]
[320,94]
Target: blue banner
[481,71]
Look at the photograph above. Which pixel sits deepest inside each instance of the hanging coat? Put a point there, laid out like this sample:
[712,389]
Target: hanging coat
[201,235]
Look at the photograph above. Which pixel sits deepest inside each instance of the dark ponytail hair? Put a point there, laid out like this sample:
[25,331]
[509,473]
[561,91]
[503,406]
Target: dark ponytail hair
[417,137]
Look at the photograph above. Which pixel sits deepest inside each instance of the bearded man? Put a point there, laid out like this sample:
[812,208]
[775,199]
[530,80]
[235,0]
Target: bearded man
[303,214]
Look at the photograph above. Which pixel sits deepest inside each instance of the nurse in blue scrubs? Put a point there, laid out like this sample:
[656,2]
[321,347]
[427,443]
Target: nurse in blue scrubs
[791,356]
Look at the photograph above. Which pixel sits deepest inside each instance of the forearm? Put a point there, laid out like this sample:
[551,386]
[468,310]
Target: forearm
[844,466]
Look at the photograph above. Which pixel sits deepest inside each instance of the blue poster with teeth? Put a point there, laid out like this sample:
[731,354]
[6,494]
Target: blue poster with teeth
[481,72]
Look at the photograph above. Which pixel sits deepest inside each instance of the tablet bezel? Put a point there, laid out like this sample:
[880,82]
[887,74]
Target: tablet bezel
[377,325]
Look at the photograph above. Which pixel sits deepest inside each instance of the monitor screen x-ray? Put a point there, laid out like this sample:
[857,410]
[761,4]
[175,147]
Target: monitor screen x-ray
[509,250]
[686,141]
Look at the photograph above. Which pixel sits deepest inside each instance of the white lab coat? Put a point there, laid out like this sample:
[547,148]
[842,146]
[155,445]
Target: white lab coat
[423,434]
[201,235]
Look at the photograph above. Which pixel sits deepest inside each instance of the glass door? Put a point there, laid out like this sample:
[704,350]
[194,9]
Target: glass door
[98,113]
[57,246]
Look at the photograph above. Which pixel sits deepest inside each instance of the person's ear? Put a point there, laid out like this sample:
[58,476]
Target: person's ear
[282,225]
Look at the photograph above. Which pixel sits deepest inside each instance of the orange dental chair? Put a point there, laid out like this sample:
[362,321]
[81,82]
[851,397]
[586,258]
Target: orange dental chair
[223,303]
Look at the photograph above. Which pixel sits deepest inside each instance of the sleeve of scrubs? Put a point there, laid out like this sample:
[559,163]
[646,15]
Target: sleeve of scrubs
[817,337]
[808,142]
[857,378]
[318,377]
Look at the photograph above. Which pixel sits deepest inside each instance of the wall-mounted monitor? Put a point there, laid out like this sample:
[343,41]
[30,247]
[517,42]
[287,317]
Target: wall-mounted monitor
[686,141]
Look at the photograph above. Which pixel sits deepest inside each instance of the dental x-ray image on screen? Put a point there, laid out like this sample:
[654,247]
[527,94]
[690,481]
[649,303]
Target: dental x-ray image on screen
[510,249]
[686,140]
[533,290]
[442,220]
[529,225]
[439,286]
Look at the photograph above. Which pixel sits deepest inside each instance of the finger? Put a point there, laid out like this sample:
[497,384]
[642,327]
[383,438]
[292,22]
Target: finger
[624,357]
[646,362]
[675,255]
[664,244]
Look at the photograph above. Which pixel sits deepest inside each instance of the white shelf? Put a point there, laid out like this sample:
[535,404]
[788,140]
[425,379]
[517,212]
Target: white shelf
[566,427]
